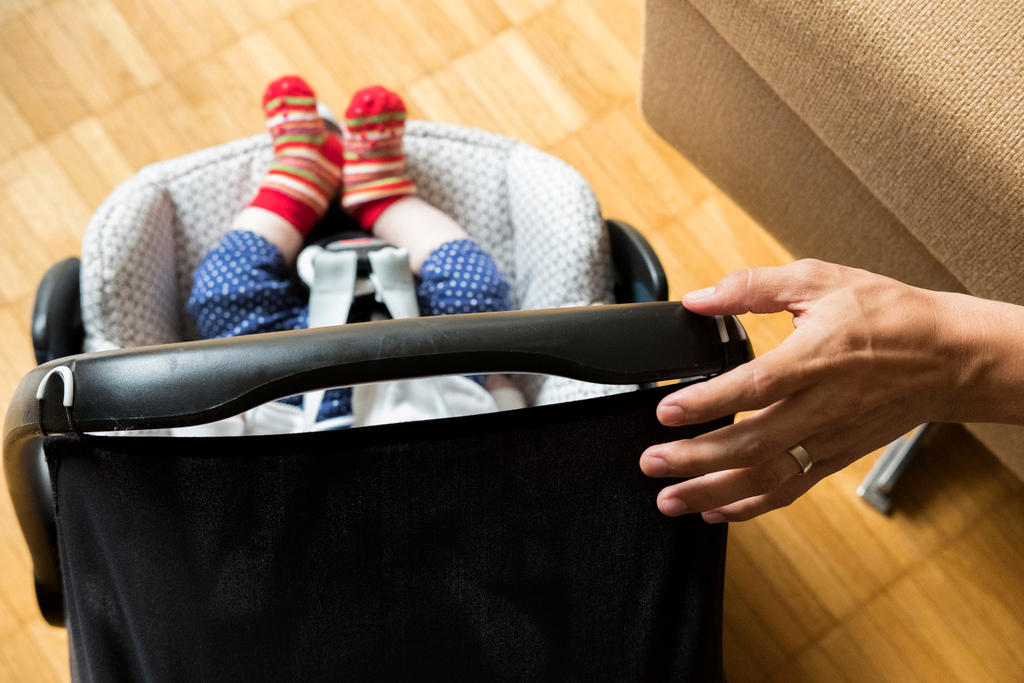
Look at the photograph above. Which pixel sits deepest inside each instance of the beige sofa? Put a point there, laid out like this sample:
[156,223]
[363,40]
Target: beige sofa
[884,135]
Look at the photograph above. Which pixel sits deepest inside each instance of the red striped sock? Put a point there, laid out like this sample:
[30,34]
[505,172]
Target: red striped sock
[306,172]
[374,162]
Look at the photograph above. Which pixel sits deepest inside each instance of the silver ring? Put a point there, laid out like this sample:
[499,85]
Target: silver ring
[802,457]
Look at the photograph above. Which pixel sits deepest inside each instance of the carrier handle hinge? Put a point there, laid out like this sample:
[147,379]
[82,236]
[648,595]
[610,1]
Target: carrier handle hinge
[69,385]
[67,400]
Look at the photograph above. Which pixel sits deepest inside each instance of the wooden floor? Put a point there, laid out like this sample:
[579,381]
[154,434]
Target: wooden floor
[826,590]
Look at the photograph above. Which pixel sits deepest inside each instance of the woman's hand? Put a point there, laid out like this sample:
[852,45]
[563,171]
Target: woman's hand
[870,358]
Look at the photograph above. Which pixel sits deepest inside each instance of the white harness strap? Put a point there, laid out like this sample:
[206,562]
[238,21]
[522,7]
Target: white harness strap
[331,293]
[330,300]
[392,279]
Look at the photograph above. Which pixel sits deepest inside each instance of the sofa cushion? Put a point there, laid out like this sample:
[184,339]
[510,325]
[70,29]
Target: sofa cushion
[922,100]
[701,96]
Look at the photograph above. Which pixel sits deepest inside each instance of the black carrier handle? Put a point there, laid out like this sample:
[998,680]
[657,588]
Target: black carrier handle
[175,385]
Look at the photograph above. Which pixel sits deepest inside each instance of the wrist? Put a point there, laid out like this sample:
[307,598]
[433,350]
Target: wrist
[985,345]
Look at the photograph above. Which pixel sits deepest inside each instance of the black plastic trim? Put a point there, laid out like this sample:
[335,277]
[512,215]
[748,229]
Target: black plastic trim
[639,276]
[56,313]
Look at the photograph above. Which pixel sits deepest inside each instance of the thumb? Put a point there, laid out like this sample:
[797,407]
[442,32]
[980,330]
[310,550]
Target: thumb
[759,290]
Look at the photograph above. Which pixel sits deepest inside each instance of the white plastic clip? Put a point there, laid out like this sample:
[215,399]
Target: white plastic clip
[739,326]
[723,331]
[69,384]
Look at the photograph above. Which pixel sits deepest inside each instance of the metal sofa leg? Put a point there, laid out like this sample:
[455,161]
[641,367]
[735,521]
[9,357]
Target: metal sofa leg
[878,487]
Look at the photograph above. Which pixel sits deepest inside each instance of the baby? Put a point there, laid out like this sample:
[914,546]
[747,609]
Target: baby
[243,286]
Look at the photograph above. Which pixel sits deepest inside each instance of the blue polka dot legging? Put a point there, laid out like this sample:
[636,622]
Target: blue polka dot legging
[243,287]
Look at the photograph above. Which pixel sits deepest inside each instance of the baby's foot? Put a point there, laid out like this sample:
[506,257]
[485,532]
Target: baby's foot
[374,162]
[306,173]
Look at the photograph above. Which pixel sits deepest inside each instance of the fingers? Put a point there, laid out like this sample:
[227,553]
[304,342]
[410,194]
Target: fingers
[718,489]
[760,290]
[745,444]
[748,508]
[742,493]
[784,370]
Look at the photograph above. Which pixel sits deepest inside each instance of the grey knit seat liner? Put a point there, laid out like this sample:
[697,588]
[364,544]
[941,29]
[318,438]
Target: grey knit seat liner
[534,213]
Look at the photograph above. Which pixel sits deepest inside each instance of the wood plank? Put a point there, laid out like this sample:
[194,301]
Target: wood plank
[194,39]
[762,574]
[592,65]
[154,34]
[121,127]
[15,133]
[519,11]
[748,647]
[813,665]
[289,41]
[52,645]
[251,15]
[349,38]
[564,110]
[507,93]
[473,21]
[25,257]
[105,18]
[621,158]
[80,165]
[51,209]
[444,96]
[55,188]
[26,661]
[216,119]
[35,83]
[261,56]
[15,8]
[111,166]
[76,51]
[621,18]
